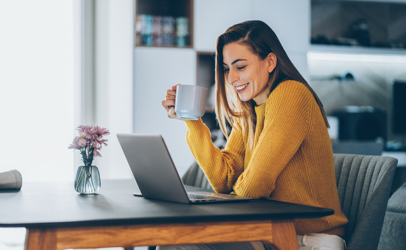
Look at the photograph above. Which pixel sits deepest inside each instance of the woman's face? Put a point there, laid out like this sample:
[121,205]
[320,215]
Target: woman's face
[247,72]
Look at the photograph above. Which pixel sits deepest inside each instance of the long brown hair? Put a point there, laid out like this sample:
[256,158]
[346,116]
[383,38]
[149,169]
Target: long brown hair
[261,40]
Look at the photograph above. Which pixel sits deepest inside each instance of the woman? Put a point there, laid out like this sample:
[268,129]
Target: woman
[279,147]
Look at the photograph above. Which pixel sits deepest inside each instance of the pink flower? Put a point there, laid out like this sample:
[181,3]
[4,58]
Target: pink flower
[102,131]
[94,134]
[78,143]
[96,153]
[89,142]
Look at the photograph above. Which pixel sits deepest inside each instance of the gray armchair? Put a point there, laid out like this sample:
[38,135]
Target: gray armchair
[394,225]
[363,184]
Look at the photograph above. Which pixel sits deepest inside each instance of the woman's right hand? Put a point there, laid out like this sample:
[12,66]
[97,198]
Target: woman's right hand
[169,102]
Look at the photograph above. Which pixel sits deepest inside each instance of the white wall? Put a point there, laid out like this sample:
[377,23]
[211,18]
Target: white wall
[156,70]
[114,81]
[290,20]
[36,89]
[213,17]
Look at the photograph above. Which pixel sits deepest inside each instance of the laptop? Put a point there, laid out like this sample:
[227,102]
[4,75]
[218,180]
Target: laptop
[156,174]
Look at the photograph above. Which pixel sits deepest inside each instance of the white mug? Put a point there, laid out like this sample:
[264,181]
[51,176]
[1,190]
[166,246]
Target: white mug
[190,101]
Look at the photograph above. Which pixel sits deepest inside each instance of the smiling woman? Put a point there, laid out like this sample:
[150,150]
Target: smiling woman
[36,89]
[279,147]
[248,73]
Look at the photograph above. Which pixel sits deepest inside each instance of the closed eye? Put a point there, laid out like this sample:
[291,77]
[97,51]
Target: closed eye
[241,68]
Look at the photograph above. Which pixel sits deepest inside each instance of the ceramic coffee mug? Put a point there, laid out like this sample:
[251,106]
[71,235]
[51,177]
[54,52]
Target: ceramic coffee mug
[190,101]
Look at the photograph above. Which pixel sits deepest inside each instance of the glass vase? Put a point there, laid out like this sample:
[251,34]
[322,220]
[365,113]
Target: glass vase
[87,180]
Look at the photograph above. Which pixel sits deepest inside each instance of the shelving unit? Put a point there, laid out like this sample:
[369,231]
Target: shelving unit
[356,50]
[158,23]
[205,75]
[338,46]
[359,24]
[205,69]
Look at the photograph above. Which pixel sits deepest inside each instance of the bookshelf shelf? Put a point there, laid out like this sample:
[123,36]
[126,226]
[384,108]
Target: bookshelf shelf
[356,24]
[164,23]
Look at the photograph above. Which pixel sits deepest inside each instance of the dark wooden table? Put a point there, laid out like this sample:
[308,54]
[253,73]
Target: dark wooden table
[56,217]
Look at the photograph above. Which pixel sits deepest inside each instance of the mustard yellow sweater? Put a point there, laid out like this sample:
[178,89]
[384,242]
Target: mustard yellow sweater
[291,159]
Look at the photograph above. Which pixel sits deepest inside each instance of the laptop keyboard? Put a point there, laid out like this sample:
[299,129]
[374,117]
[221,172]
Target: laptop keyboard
[202,197]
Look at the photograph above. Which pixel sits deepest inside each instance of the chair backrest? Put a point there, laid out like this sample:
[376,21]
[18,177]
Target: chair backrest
[364,184]
[195,176]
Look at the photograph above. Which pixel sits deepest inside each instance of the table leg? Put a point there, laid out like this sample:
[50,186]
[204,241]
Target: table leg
[40,238]
[283,236]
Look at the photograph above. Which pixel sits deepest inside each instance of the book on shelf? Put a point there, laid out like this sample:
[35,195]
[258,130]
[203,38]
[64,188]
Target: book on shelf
[162,31]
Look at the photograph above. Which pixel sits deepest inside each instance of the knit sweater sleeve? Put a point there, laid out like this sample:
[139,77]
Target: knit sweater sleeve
[222,167]
[286,125]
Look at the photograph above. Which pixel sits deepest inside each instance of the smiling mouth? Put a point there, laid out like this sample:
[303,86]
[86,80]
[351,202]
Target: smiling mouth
[241,87]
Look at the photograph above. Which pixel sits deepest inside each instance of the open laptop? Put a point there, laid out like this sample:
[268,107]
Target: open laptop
[156,174]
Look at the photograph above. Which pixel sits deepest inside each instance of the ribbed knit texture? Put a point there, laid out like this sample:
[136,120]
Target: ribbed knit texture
[291,159]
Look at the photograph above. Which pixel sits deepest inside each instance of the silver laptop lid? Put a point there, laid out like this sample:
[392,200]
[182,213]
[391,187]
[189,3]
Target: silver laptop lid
[152,167]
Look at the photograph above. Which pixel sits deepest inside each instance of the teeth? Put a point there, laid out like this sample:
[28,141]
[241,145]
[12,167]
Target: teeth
[241,87]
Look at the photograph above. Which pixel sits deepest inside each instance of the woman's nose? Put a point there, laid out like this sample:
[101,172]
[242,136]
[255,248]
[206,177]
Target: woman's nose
[232,76]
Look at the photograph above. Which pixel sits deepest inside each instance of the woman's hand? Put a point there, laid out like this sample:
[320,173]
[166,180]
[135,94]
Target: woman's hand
[169,102]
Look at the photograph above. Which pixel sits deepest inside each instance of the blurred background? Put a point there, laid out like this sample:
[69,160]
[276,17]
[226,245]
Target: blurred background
[109,63]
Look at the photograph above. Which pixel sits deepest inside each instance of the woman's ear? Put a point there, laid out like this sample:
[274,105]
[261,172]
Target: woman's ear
[272,61]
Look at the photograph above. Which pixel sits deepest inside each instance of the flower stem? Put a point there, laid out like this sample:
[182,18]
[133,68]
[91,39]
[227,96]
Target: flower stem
[80,178]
